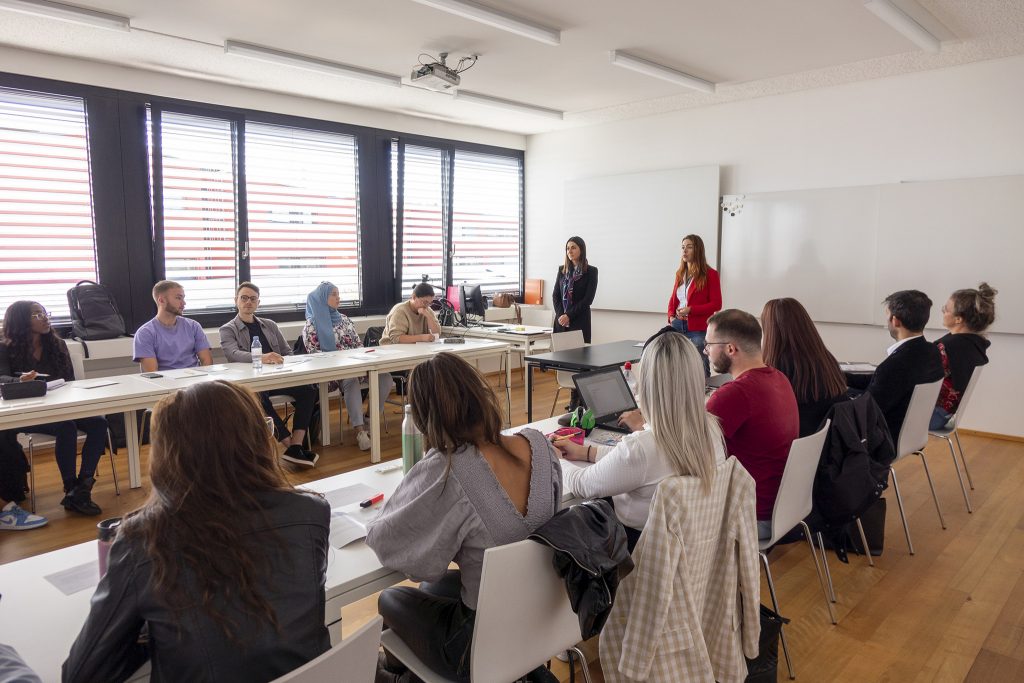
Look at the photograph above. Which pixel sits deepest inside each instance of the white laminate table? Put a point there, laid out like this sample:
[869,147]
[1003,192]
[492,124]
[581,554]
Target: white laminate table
[129,393]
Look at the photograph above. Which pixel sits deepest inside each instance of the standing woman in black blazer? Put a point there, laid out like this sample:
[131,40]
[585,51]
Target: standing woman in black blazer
[575,287]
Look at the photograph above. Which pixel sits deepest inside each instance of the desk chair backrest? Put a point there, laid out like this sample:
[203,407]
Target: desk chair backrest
[966,398]
[914,433]
[523,614]
[77,362]
[563,341]
[353,659]
[794,501]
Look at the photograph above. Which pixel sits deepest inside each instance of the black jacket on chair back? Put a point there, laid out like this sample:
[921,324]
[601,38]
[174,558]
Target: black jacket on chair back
[591,555]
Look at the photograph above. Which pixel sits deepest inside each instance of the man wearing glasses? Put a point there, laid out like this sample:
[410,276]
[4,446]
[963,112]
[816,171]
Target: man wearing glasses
[236,341]
[757,410]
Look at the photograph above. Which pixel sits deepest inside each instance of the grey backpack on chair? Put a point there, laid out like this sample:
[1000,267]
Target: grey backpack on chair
[94,313]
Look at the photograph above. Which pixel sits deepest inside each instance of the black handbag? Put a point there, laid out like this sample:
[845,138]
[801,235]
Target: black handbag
[764,668]
[32,389]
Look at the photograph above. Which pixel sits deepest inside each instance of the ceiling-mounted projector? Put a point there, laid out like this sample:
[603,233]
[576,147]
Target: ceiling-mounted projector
[435,76]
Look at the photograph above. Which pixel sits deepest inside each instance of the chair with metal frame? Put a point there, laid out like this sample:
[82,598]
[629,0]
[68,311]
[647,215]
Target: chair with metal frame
[353,659]
[563,341]
[950,431]
[792,505]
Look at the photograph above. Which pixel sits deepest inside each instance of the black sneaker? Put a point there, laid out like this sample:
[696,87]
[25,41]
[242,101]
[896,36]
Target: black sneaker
[295,454]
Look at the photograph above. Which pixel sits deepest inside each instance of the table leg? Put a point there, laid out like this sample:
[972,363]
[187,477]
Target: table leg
[528,369]
[325,416]
[373,404]
[508,383]
[131,437]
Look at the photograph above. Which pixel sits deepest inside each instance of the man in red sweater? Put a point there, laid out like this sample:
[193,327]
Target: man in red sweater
[757,410]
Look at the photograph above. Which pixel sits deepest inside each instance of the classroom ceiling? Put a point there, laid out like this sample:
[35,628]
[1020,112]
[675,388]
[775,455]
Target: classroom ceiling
[749,48]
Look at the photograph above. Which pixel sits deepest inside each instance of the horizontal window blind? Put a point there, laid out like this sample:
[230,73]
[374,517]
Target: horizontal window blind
[199,208]
[303,213]
[46,218]
[423,214]
[487,221]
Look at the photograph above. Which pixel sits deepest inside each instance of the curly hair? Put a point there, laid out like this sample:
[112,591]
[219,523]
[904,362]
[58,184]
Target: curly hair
[17,337]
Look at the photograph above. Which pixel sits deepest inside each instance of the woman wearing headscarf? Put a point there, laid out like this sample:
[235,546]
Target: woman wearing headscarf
[327,329]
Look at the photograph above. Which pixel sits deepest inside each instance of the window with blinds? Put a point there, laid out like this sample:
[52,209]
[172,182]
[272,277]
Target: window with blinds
[486,221]
[425,190]
[303,213]
[46,216]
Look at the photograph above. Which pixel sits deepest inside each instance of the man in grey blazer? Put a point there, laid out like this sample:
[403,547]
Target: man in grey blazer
[236,341]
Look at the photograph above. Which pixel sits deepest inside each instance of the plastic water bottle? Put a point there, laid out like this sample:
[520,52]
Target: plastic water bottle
[412,442]
[627,372]
[257,354]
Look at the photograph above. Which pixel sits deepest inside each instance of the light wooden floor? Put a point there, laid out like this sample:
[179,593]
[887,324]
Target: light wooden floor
[952,612]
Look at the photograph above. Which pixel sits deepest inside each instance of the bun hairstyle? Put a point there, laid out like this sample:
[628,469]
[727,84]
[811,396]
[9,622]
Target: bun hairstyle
[976,306]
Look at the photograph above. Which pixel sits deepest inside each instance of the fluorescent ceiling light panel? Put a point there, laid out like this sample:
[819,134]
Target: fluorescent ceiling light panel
[506,22]
[272,56]
[77,15]
[658,71]
[508,104]
[904,23]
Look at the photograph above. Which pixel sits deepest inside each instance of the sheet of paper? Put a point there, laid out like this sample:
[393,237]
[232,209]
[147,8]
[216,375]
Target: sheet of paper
[605,437]
[344,529]
[295,360]
[94,384]
[857,367]
[74,579]
[348,495]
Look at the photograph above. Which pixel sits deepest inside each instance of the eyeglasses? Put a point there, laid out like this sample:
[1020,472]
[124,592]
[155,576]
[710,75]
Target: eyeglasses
[707,343]
[41,316]
[246,299]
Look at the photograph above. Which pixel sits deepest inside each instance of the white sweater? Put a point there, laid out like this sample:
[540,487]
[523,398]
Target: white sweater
[629,472]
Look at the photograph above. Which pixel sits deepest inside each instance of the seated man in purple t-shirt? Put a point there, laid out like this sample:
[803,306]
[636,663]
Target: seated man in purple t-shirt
[169,340]
[757,410]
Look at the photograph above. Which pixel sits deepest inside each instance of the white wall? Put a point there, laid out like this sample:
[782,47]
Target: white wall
[42,65]
[955,123]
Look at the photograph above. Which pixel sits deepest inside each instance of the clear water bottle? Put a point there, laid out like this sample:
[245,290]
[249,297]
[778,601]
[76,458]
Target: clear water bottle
[412,442]
[627,372]
[257,354]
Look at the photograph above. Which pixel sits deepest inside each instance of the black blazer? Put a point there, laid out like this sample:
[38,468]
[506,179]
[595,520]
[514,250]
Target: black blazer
[292,529]
[917,361]
[583,296]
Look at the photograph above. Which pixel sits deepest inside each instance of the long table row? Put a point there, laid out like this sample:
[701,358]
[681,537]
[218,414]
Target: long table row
[129,393]
[42,622]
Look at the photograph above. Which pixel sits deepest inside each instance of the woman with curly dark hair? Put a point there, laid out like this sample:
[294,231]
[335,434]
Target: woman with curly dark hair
[29,349]
[225,563]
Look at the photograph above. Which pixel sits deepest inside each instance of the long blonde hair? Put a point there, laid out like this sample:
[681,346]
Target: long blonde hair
[671,397]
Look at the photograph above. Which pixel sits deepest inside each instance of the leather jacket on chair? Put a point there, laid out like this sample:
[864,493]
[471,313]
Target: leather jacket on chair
[591,555]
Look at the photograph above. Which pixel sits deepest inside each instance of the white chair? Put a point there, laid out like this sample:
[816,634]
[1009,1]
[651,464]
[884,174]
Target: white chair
[353,659]
[912,440]
[792,505]
[949,432]
[33,439]
[563,341]
[523,618]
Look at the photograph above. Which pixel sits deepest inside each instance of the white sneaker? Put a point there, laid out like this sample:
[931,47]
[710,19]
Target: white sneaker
[13,518]
[363,439]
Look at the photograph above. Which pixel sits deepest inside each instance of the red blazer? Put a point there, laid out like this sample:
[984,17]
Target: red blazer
[703,303]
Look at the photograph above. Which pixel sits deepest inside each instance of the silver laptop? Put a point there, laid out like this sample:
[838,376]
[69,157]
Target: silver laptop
[607,395]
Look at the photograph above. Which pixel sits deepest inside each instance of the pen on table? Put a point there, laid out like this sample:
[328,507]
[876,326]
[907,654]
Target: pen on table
[372,501]
[38,374]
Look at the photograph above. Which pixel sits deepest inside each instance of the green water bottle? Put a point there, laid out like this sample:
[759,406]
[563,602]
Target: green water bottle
[412,442]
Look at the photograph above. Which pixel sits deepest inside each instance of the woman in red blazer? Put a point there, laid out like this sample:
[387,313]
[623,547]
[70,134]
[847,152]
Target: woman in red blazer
[696,295]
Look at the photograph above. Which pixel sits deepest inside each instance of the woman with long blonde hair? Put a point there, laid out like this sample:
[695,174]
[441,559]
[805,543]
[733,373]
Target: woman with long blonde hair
[696,295]
[683,439]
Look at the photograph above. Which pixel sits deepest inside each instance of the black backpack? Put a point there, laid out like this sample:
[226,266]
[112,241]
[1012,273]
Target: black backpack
[94,313]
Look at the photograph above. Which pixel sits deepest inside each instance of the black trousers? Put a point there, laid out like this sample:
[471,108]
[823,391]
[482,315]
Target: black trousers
[305,399]
[433,622]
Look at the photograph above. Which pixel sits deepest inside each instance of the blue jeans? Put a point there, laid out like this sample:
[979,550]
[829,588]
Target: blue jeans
[939,419]
[698,340]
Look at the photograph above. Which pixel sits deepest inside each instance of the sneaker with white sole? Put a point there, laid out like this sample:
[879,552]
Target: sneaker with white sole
[363,439]
[297,455]
[14,518]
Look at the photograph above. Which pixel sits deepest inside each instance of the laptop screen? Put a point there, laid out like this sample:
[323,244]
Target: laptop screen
[605,392]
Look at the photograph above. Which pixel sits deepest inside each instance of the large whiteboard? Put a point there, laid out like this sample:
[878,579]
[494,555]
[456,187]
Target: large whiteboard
[633,225]
[841,251]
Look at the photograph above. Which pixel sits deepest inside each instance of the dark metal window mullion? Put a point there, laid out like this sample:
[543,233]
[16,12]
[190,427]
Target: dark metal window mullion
[243,249]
